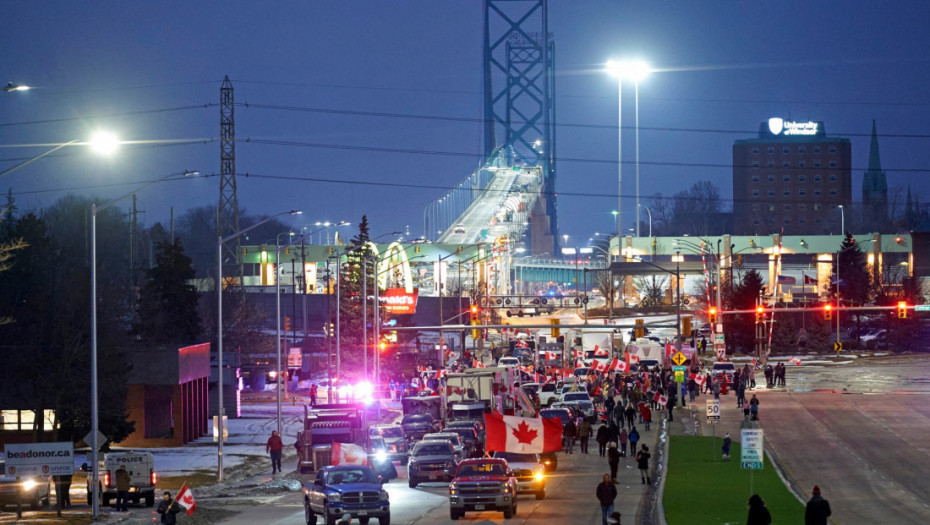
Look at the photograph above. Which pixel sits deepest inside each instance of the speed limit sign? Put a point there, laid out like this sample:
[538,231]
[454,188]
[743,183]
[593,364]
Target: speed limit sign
[713,411]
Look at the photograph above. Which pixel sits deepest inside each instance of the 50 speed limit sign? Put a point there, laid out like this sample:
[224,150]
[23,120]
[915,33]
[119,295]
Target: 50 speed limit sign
[713,411]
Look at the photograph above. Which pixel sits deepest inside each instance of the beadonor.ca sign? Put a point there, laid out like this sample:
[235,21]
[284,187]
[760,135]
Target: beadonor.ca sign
[39,459]
[399,301]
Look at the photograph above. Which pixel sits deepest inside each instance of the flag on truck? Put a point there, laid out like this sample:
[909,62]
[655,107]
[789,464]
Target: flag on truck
[348,454]
[524,435]
[632,358]
[478,364]
[185,498]
[599,352]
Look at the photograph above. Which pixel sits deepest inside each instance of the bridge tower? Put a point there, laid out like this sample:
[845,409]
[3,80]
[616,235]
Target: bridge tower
[227,214]
[519,100]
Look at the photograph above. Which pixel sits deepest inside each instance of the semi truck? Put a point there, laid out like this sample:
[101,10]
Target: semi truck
[325,424]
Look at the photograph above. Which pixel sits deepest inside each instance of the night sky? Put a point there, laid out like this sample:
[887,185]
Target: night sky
[724,68]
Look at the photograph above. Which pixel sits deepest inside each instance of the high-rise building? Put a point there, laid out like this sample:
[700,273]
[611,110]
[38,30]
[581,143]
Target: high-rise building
[875,187]
[791,176]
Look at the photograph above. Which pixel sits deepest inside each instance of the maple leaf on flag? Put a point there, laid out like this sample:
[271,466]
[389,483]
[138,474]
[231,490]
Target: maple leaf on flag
[350,457]
[524,434]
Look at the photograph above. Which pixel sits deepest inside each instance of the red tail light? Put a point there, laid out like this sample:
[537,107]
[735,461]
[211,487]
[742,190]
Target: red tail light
[106,479]
[154,477]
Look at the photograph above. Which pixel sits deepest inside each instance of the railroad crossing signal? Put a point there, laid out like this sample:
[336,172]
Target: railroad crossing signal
[760,314]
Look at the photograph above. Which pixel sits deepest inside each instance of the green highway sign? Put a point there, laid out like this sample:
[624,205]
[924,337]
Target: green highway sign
[922,308]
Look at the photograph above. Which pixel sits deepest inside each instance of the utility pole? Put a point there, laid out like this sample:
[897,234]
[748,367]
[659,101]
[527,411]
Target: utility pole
[228,210]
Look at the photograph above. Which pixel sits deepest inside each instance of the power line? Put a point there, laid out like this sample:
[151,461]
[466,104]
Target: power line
[105,115]
[186,142]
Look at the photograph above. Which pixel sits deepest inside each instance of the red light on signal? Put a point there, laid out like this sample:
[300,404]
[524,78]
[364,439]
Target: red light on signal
[474,309]
[760,309]
[828,307]
[383,346]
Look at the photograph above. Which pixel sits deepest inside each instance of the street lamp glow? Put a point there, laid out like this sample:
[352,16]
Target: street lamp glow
[104,143]
[635,70]
[11,87]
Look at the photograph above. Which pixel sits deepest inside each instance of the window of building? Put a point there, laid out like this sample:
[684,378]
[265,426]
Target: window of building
[771,178]
[755,151]
[817,178]
[802,220]
[755,178]
[786,193]
[818,220]
[756,207]
[832,192]
[833,178]
[802,207]
[817,192]
[771,193]
[802,192]
[818,206]
[755,164]
[832,149]
[816,163]
[786,207]
[802,178]
[755,193]
[756,222]
[802,149]
[771,164]
[786,164]
[771,150]
[832,163]
[771,207]
[787,220]
[816,149]
[786,178]
[785,150]
[802,164]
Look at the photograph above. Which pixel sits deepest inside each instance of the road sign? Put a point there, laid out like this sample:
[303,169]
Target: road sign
[39,459]
[751,446]
[838,346]
[101,439]
[922,308]
[679,358]
[713,411]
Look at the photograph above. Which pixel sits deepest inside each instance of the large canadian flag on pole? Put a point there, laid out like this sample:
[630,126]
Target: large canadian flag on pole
[348,454]
[525,435]
[185,498]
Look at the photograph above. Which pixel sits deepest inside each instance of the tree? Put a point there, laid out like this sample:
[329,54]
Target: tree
[785,335]
[350,292]
[167,307]
[603,282]
[651,288]
[740,328]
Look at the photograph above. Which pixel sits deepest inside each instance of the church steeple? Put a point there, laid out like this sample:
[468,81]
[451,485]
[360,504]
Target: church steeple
[875,186]
[875,161]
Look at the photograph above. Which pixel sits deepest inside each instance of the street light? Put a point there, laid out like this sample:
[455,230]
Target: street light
[842,220]
[219,330]
[94,401]
[11,87]
[649,212]
[635,71]
[101,142]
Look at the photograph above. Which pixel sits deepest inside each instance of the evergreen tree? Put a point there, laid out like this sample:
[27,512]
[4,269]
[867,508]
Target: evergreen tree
[350,292]
[167,308]
[741,328]
[785,335]
[819,333]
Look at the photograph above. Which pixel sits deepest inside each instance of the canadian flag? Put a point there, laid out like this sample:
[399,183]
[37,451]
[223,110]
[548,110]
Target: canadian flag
[632,358]
[669,350]
[600,353]
[185,498]
[521,344]
[619,366]
[478,364]
[662,401]
[579,364]
[549,356]
[599,366]
[577,353]
[523,435]
[441,373]
[348,454]
[796,360]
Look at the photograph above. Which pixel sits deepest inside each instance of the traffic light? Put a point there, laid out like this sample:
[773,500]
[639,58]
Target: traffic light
[287,324]
[902,310]
[474,312]
[739,259]
[686,326]
[760,313]
[416,249]
[712,315]
[382,346]
[640,328]
[828,311]
[554,331]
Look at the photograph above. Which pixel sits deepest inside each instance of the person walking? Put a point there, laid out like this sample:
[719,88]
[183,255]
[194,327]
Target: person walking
[818,509]
[274,447]
[754,408]
[122,489]
[570,432]
[630,415]
[606,494]
[601,439]
[584,433]
[642,460]
[758,514]
[613,460]
[622,438]
[63,490]
[609,405]
[726,446]
[634,439]
[169,509]
[313,392]
[646,414]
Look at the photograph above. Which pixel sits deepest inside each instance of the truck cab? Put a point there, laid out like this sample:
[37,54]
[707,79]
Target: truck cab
[142,477]
[483,484]
[341,490]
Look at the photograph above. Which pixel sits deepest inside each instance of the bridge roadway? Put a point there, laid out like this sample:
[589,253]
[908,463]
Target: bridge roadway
[479,214]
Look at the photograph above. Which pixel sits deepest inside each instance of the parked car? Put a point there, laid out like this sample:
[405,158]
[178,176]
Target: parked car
[142,477]
[723,370]
[469,436]
[32,491]
[458,445]
[529,470]
[431,460]
[481,485]
[338,490]
[416,426]
[395,439]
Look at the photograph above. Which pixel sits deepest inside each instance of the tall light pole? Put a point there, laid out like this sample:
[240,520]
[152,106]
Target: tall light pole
[221,411]
[94,396]
[842,220]
[277,293]
[648,212]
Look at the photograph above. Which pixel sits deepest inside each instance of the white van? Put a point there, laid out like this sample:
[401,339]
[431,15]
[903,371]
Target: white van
[508,362]
[142,477]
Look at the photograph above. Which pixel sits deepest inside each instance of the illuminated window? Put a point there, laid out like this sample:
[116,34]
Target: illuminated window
[818,206]
[771,207]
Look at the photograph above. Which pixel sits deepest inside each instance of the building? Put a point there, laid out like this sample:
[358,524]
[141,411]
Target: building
[790,178]
[875,187]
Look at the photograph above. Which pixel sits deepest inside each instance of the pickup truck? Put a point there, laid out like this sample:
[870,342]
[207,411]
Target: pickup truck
[33,490]
[529,470]
[342,490]
[431,460]
[142,477]
[394,438]
[483,484]
[546,392]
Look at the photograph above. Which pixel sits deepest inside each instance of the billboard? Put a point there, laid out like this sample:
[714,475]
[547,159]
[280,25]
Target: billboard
[39,459]
[399,301]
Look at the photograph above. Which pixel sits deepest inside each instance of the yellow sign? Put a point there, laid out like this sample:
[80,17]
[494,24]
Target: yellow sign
[838,346]
[679,358]
[554,332]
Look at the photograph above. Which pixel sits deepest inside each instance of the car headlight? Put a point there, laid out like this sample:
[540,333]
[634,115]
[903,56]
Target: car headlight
[538,475]
[385,495]
[452,489]
[380,455]
[335,497]
[29,484]
[505,487]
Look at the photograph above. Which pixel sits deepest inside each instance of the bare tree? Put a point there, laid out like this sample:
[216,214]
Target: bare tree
[604,283]
[651,288]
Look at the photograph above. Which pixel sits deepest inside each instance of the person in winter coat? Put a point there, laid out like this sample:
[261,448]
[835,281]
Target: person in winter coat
[758,514]
[818,509]
[169,510]
[275,446]
[630,415]
[634,439]
[642,461]
[622,437]
[610,404]
[122,489]
[606,494]
[612,433]
[584,432]
[601,439]
[570,432]
[613,460]
[726,446]
[618,415]
[646,415]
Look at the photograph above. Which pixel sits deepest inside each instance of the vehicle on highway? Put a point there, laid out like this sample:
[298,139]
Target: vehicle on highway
[416,426]
[459,228]
[582,372]
[142,477]
[873,335]
[30,490]
[574,409]
[458,444]
[432,460]
[483,484]
[469,436]
[394,438]
[476,424]
[509,362]
[563,414]
[550,460]
[338,490]
[380,460]
[723,370]
[545,392]
[584,402]
[529,470]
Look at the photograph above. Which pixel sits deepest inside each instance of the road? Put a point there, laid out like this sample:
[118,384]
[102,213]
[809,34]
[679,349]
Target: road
[479,214]
[570,498]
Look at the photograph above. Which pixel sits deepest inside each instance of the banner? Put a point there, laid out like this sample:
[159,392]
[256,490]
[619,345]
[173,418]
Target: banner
[398,301]
[39,459]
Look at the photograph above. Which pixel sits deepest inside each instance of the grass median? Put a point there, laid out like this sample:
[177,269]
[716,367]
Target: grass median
[702,488]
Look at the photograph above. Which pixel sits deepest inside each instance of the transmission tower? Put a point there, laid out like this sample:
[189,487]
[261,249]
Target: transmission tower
[227,214]
[519,99]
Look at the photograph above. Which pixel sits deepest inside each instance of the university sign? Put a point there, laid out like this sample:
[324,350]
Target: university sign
[399,301]
[778,126]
